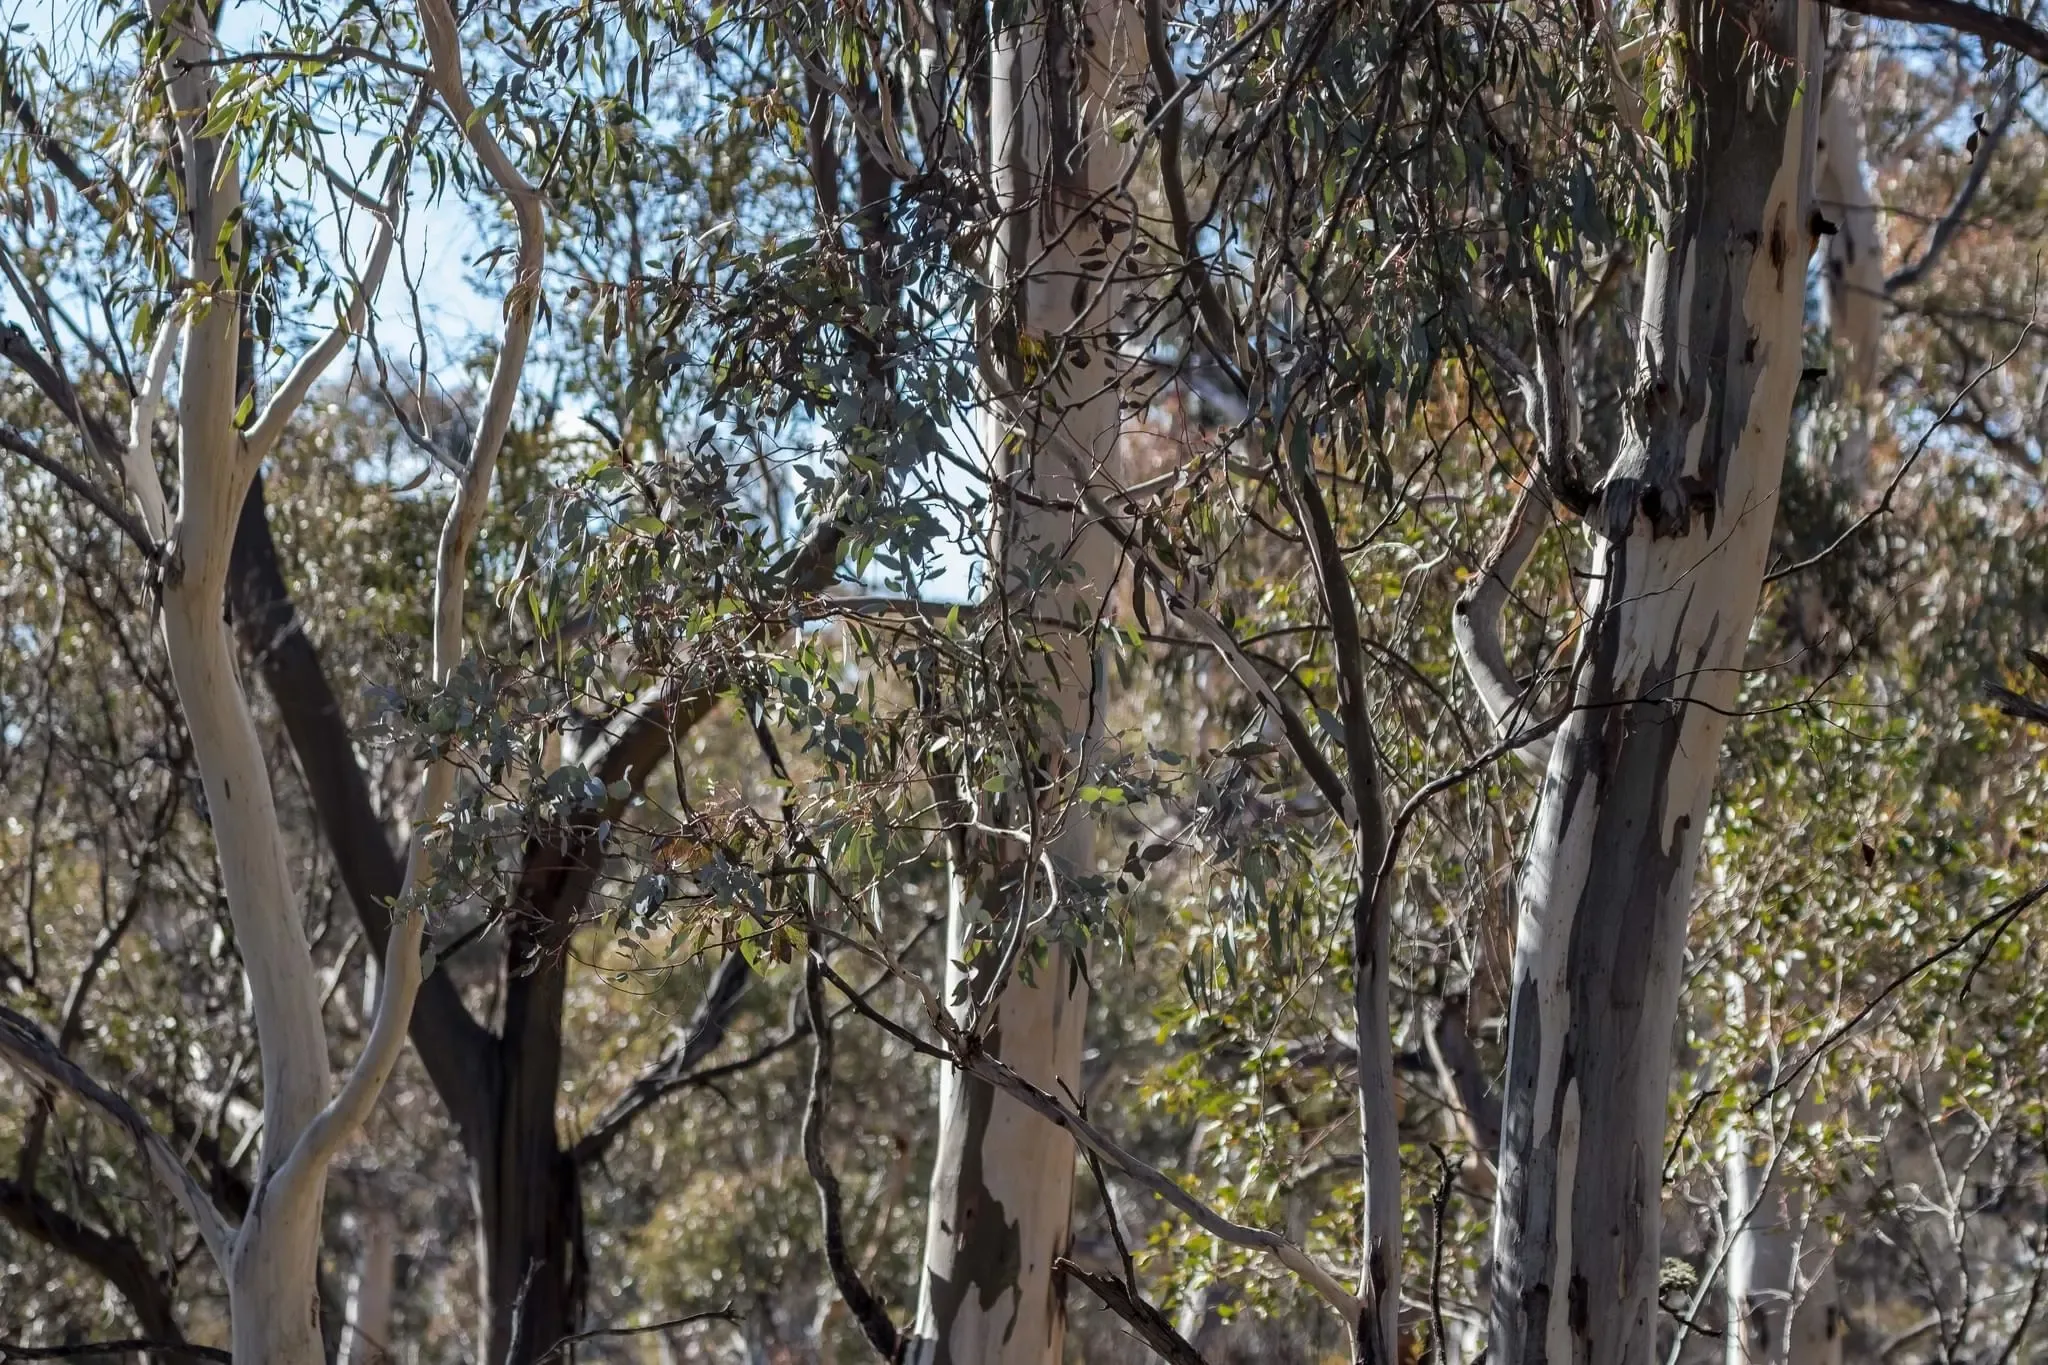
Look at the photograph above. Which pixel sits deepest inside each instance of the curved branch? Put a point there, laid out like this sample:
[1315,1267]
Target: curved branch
[257,444]
[25,1045]
[10,439]
[1475,624]
[403,965]
[1990,25]
[138,457]
[454,1048]
[1145,1321]
[1959,207]
[860,1301]
[1178,598]
[678,1064]
[112,1256]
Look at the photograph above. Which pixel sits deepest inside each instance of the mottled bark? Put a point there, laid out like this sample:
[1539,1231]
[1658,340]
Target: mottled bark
[1682,526]
[1002,1185]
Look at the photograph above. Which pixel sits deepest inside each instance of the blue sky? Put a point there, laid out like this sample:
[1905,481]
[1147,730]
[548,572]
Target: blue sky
[437,246]
[439,240]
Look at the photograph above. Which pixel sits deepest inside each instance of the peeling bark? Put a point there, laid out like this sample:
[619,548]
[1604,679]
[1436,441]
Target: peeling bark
[1682,527]
[1002,1185]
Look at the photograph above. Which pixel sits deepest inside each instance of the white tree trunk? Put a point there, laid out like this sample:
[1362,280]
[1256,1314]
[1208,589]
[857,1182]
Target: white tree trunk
[271,1262]
[1002,1185]
[1784,1304]
[1681,530]
[366,1336]
[1855,293]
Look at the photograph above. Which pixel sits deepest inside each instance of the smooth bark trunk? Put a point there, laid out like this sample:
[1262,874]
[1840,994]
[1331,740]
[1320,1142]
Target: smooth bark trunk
[1784,1304]
[366,1334]
[1681,530]
[1002,1184]
[529,1202]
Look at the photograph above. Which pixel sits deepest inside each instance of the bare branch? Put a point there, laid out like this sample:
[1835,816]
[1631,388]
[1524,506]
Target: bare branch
[860,1301]
[10,439]
[99,438]
[1146,1321]
[1475,623]
[1179,600]
[1149,1177]
[26,1046]
[15,103]
[1884,504]
[1990,25]
[1951,220]
[677,1066]
[299,382]
[725,1314]
[138,461]
[115,1258]
[176,1350]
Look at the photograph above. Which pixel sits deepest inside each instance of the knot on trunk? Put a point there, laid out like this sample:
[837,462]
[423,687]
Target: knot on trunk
[1667,504]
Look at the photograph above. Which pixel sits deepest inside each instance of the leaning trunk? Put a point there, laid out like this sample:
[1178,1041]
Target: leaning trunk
[1681,530]
[1002,1185]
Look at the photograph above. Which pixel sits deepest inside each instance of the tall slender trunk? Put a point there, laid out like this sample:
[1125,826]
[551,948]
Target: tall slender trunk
[1681,529]
[1784,1304]
[1855,293]
[1002,1185]
[366,1335]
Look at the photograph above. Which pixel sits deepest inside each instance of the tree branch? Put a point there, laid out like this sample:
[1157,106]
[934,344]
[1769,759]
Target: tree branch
[860,1301]
[1951,220]
[1150,1325]
[263,435]
[138,457]
[1475,623]
[177,1350]
[700,1038]
[1149,1177]
[725,1314]
[25,1045]
[112,1256]
[13,440]
[1963,17]
[454,1048]
[403,966]
[1179,600]
[1463,1079]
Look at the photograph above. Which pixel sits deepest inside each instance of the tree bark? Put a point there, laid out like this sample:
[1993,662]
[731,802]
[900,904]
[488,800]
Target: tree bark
[1856,294]
[1002,1183]
[366,1334]
[451,1044]
[1784,1304]
[1681,530]
[528,1198]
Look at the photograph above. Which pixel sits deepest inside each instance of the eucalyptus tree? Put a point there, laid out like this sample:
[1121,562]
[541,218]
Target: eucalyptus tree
[195,268]
[1200,336]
